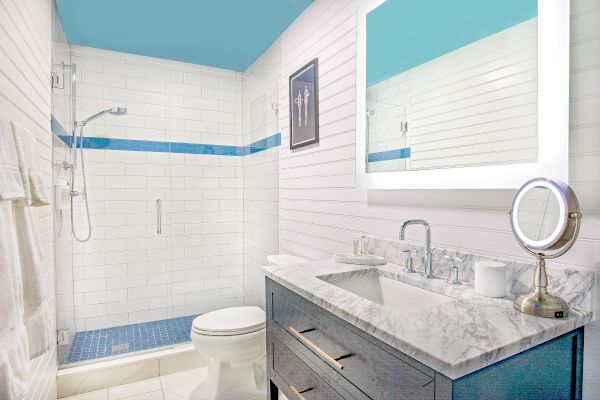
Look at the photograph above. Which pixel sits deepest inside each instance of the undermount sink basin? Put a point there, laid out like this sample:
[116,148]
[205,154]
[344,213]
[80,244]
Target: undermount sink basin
[387,292]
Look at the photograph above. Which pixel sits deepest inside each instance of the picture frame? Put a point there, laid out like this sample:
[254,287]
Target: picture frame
[304,105]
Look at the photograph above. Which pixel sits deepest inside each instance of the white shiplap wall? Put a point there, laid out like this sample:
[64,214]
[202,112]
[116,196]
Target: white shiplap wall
[320,207]
[475,105]
[25,65]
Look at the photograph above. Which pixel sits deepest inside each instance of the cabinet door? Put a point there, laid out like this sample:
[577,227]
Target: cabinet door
[552,370]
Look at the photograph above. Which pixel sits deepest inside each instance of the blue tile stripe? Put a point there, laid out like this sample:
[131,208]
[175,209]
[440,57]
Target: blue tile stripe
[264,144]
[166,147]
[389,155]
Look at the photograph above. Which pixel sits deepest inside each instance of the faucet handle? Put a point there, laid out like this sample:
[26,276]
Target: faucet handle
[453,278]
[408,261]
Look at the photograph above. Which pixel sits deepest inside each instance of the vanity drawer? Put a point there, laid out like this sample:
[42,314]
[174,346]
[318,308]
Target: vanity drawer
[376,372]
[301,382]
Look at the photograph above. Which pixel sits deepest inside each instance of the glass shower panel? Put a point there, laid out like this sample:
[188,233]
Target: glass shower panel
[62,120]
[205,201]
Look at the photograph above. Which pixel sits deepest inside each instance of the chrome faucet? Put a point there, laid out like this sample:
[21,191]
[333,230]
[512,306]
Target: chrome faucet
[428,259]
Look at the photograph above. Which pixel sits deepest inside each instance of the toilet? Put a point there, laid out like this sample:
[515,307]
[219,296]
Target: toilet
[234,341]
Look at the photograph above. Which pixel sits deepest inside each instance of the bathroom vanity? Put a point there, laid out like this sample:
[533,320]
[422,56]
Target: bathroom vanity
[336,331]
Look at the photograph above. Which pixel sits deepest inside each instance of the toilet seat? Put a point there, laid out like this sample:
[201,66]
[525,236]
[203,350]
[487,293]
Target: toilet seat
[286,260]
[231,321]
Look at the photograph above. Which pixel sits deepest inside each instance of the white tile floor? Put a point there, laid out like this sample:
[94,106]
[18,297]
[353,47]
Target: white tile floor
[186,385]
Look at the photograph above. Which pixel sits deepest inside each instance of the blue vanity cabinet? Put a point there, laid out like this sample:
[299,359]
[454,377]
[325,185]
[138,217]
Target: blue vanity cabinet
[314,355]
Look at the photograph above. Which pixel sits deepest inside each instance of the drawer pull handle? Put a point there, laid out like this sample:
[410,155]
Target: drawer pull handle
[298,393]
[315,348]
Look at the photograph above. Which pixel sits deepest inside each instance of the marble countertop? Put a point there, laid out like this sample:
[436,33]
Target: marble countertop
[454,338]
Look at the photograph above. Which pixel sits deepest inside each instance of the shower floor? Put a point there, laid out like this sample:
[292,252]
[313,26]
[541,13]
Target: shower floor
[89,345]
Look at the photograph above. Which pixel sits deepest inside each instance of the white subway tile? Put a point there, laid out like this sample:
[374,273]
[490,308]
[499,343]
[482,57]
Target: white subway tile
[95,310]
[89,285]
[127,306]
[185,287]
[126,282]
[105,322]
[144,292]
[149,315]
[105,296]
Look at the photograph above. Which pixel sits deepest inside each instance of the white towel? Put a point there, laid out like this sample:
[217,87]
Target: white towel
[11,185]
[36,193]
[33,271]
[34,275]
[14,352]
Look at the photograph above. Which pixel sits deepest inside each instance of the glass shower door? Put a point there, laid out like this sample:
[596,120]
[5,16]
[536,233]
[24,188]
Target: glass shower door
[114,291]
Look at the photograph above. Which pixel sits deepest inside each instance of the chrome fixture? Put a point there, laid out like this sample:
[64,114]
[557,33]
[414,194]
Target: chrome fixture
[404,123]
[428,273]
[408,261]
[72,166]
[159,216]
[544,216]
[453,278]
[111,111]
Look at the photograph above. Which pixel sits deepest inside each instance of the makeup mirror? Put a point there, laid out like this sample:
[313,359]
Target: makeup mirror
[545,220]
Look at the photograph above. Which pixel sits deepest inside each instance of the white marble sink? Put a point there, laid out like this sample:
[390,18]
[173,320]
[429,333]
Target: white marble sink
[387,292]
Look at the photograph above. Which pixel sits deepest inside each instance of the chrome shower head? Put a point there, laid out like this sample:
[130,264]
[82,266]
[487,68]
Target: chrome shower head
[118,111]
[111,111]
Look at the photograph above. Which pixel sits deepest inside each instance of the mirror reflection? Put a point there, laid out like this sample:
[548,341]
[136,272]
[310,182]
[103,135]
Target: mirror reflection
[451,84]
[538,213]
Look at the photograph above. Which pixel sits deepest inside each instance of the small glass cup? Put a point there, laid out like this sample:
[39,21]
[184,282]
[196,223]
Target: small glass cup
[356,247]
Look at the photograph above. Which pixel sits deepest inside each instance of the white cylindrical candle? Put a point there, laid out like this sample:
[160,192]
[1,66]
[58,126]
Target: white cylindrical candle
[490,278]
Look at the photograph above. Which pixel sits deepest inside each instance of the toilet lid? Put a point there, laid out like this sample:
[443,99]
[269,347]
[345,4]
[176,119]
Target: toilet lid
[230,321]
[286,260]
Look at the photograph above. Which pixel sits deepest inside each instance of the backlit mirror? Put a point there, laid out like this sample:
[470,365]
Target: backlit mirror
[451,84]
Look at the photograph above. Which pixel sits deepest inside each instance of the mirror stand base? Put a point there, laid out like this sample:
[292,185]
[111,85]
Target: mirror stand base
[542,305]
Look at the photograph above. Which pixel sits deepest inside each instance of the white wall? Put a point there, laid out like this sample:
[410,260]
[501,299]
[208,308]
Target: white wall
[25,48]
[127,273]
[321,209]
[261,181]
[476,105]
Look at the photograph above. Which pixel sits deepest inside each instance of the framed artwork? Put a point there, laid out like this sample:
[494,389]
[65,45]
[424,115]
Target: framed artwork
[304,105]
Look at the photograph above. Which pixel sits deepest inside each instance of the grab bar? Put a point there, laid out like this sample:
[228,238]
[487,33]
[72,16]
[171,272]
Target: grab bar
[158,216]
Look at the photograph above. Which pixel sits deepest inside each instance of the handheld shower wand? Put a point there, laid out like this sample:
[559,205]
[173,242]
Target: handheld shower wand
[74,193]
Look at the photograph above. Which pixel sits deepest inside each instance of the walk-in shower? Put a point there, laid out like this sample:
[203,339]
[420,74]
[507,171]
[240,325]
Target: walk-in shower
[78,143]
[163,183]
[122,289]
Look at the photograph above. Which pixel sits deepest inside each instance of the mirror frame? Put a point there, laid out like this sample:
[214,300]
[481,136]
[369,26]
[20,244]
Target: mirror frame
[563,214]
[553,117]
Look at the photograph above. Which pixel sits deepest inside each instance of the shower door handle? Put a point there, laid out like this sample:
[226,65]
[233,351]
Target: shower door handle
[158,216]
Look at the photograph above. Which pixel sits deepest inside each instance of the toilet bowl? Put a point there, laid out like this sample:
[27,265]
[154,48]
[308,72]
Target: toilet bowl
[234,341]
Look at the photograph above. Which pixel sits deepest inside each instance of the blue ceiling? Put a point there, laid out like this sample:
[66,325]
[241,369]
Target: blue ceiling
[221,33]
[402,34]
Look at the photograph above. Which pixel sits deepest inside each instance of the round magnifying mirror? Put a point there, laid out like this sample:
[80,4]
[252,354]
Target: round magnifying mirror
[544,216]
[540,214]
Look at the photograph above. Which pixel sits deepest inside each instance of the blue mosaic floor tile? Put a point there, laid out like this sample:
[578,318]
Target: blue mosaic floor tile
[108,342]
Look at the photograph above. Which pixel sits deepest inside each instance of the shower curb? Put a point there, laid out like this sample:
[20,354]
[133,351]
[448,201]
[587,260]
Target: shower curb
[92,376]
